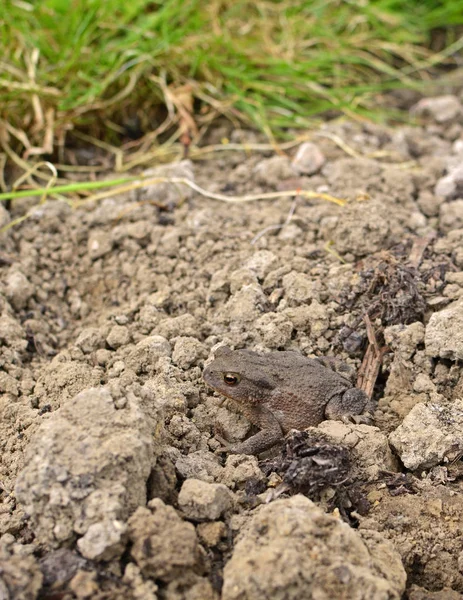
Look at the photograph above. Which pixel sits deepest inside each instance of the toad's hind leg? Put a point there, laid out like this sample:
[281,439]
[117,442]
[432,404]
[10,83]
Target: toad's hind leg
[352,405]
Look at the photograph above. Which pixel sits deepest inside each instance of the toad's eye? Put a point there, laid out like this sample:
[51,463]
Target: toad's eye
[231,378]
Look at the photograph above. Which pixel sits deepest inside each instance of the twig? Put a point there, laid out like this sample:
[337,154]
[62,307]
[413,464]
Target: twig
[369,369]
[418,248]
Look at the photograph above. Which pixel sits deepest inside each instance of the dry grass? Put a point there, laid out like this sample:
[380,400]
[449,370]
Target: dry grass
[140,81]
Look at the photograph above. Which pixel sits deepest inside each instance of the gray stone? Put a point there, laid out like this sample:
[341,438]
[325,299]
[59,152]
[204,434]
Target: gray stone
[99,244]
[202,501]
[103,541]
[441,109]
[18,289]
[451,185]
[309,159]
[429,434]
[444,333]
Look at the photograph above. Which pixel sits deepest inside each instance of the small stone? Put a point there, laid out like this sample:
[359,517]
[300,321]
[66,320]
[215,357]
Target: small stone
[239,469]
[309,159]
[261,263]
[212,533]
[429,435]
[451,185]
[275,330]
[199,465]
[84,584]
[103,541]
[163,545]
[451,215]
[89,339]
[423,384]
[368,444]
[441,109]
[167,193]
[8,384]
[102,356]
[245,305]
[300,287]
[99,244]
[203,501]
[118,336]
[18,289]
[144,357]
[187,352]
[444,332]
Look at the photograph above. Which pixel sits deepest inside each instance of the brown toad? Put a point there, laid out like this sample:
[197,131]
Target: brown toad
[282,391]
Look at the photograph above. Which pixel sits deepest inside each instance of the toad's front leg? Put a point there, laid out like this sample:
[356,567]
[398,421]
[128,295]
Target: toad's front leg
[270,432]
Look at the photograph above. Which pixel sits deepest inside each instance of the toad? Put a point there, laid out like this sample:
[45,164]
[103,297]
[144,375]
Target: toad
[280,391]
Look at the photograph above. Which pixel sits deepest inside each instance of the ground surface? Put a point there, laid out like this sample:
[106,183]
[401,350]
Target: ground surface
[109,484]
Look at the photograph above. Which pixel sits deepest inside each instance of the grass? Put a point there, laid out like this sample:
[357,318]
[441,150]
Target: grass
[159,69]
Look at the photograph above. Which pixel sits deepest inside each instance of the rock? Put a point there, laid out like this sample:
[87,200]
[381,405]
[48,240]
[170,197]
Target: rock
[451,215]
[245,305]
[8,384]
[99,244]
[261,263]
[440,109]
[201,465]
[444,333]
[275,330]
[240,278]
[300,316]
[212,533]
[429,203]
[451,185]
[168,194]
[309,159]
[185,325]
[18,289]
[84,584]
[290,549]
[164,546]
[87,464]
[144,357]
[300,288]
[318,317]
[429,434]
[239,469]
[187,352]
[12,333]
[369,445]
[201,501]
[118,336]
[103,541]
[89,340]
[20,576]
